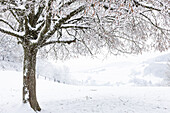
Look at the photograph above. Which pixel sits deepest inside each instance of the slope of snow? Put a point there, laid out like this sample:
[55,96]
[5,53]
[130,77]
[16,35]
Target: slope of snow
[149,69]
[140,70]
[61,98]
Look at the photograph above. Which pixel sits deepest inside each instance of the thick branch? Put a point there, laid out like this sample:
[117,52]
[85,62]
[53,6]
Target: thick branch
[76,11]
[47,23]
[67,4]
[63,20]
[42,38]
[11,33]
[53,42]
[39,12]
[75,26]
[75,20]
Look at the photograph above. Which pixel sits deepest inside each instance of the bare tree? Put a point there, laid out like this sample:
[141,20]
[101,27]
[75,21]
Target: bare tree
[82,26]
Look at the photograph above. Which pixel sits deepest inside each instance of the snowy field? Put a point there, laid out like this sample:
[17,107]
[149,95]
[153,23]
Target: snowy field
[115,85]
[61,98]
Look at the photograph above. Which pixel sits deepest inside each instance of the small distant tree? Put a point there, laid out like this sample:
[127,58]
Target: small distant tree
[72,27]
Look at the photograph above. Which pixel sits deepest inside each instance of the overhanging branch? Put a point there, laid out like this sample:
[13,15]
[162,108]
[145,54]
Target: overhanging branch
[67,4]
[75,26]
[58,41]
[76,11]
[11,33]
[61,21]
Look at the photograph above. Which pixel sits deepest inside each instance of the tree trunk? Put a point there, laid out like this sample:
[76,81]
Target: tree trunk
[29,78]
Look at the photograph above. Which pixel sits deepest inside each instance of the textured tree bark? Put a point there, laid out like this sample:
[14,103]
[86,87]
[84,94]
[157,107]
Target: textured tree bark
[29,78]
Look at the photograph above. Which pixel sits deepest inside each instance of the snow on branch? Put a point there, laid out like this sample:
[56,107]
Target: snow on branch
[58,41]
[60,22]
[67,4]
[75,26]
[12,33]
[76,11]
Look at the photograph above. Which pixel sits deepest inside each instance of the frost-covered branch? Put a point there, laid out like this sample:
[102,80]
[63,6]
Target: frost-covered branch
[58,41]
[42,38]
[39,12]
[12,33]
[75,26]
[66,4]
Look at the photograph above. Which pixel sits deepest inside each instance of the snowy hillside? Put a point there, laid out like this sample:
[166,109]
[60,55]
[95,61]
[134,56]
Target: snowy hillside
[61,98]
[140,70]
[92,85]
[150,69]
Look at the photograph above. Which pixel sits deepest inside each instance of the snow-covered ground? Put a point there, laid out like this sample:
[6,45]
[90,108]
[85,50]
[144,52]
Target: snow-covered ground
[61,98]
[112,85]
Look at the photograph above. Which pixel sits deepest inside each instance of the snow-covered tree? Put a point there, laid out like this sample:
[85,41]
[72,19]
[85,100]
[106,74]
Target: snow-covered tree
[72,27]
